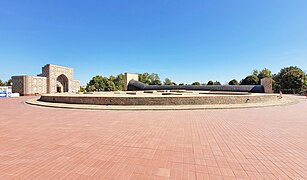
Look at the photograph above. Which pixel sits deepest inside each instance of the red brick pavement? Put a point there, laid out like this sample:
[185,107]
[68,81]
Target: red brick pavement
[256,143]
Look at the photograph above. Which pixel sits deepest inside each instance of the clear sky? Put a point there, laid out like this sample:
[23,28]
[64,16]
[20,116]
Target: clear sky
[191,40]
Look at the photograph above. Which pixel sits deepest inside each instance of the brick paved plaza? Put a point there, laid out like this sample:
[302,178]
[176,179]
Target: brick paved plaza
[255,143]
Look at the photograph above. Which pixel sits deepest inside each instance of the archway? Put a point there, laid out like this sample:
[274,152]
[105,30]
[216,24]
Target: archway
[61,84]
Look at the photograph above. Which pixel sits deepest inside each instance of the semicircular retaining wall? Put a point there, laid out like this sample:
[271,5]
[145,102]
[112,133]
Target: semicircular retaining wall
[159,100]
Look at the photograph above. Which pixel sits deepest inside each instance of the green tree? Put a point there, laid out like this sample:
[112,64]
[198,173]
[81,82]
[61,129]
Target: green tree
[96,84]
[196,83]
[233,82]
[290,80]
[6,83]
[82,89]
[250,80]
[210,83]
[112,78]
[151,79]
[119,82]
[155,79]
[261,74]
[144,78]
[167,81]
[255,72]
[156,82]
[216,83]
[109,84]
[100,83]
[213,83]
[91,88]
[264,73]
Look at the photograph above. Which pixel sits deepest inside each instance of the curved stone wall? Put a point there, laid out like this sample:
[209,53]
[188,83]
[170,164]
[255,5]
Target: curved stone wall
[159,100]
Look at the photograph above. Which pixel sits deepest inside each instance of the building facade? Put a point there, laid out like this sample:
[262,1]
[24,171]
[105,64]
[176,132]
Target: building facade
[5,91]
[53,79]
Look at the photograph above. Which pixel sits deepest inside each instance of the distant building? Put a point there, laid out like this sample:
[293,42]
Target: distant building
[5,91]
[53,79]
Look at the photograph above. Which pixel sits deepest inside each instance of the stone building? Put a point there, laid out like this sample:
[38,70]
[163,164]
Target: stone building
[53,79]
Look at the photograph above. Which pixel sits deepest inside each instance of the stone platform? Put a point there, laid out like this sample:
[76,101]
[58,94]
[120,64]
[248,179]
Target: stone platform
[152,98]
[158,100]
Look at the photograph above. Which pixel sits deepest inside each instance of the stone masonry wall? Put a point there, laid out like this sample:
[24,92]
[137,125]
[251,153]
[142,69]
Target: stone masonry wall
[75,87]
[35,85]
[54,72]
[18,84]
[267,85]
[128,77]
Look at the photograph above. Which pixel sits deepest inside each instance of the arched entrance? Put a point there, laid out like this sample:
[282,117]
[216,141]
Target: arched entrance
[61,84]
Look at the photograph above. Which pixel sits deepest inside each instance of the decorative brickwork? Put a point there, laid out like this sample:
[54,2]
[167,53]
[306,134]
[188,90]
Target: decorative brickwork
[35,85]
[267,85]
[159,100]
[53,79]
[18,84]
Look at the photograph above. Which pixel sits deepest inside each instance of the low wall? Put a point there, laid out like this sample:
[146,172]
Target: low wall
[159,100]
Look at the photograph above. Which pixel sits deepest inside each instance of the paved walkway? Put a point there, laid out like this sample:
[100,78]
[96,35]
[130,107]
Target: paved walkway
[255,143]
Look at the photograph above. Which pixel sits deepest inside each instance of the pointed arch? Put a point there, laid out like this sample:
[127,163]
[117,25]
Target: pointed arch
[62,84]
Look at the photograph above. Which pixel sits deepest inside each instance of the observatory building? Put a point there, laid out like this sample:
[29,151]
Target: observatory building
[53,79]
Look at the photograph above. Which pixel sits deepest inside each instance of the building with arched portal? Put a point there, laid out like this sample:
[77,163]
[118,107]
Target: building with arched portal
[62,84]
[53,79]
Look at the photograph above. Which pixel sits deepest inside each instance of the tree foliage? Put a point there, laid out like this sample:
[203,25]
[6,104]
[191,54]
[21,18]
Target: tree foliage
[82,89]
[210,83]
[151,79]
[216,83]
[167,81]
[250,80]
[233,82]
[290,80]
[264,73]
[6,83]
[213,83]
[256,76]
[196,83]
[119,82]
[114,83]
[100,83]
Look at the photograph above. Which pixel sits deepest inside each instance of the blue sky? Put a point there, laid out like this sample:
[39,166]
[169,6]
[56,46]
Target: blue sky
[186,41]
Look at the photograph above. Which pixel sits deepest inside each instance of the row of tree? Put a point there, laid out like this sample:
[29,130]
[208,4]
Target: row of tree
[114,83]
[252,79]
[288,80]
[6,83]
[208,83]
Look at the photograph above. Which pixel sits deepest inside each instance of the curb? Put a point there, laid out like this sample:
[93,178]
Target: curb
[282,102]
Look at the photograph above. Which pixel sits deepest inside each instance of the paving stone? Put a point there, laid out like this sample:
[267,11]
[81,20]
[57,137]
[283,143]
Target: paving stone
[54,143]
